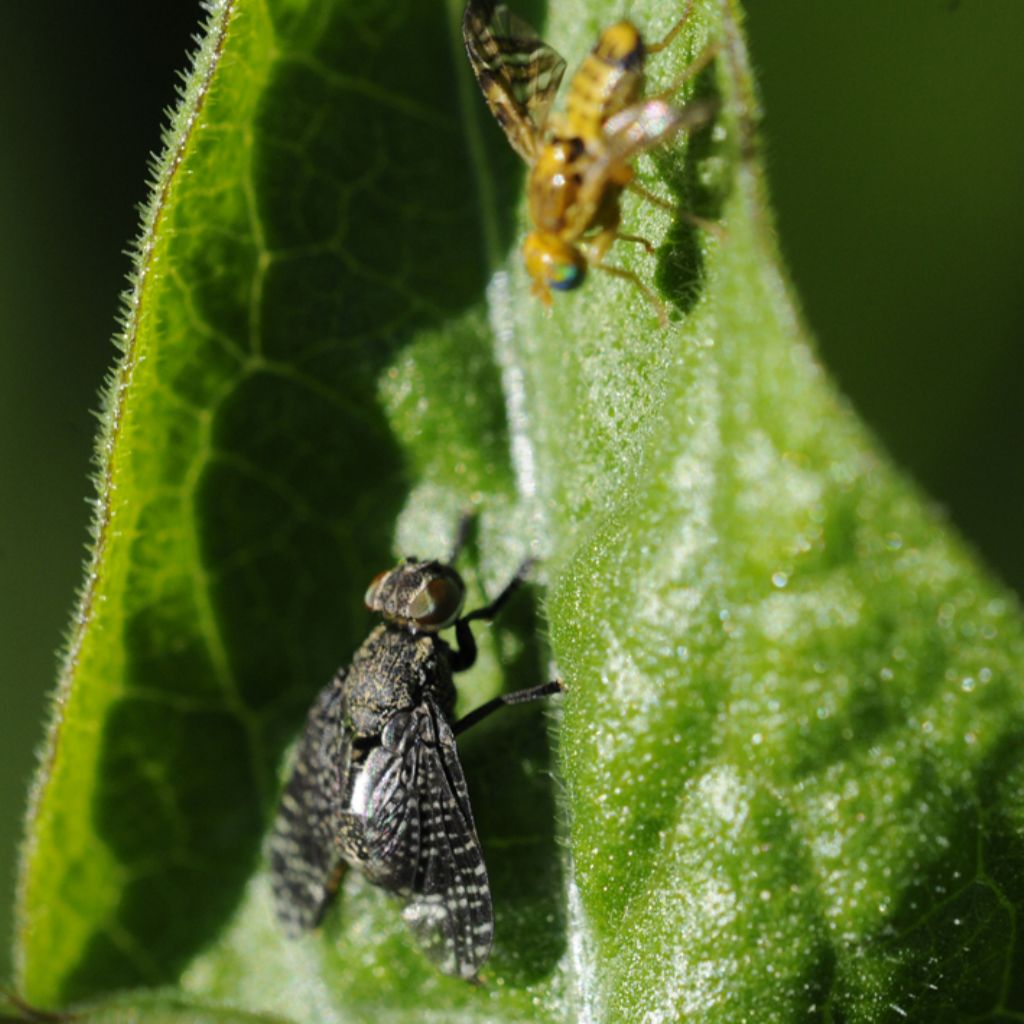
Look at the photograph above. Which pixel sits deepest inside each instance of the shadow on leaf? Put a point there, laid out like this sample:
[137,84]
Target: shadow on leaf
[680,272]
[364,233]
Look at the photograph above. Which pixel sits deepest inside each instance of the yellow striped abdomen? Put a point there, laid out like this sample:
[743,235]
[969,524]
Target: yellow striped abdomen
[610,78]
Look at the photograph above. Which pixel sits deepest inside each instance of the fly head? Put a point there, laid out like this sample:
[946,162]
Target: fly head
[423,597]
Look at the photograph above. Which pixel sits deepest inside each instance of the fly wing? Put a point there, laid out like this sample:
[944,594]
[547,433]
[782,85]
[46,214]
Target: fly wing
[651,122]
[386,794]
[634,129]
[422,843]
[517,71]
[305,861]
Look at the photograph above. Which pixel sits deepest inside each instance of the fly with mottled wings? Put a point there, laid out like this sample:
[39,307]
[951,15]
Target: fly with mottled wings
[377,784]
[579,159]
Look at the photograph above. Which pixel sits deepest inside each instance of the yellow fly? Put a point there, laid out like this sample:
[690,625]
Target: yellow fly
[579,159]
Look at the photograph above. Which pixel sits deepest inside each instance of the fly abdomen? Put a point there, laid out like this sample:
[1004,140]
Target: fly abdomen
[621,47]
[610,78]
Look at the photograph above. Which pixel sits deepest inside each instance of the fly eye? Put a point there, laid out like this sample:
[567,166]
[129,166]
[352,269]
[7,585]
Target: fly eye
[371,591]
[437,604]
[564,277]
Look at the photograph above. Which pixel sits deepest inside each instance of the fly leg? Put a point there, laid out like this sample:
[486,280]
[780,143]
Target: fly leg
[695,114]
[507,700]
[465,654]
[691,218]
[607,221]
[640,240]
[672,32]
[461,536]
[596,247]
[692,70]
[652,197]
[628,275]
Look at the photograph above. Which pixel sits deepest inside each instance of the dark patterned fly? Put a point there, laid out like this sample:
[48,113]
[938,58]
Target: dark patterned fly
[377,784]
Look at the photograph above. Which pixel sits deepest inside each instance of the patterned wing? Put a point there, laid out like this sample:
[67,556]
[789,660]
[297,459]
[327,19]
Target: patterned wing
[518,72]
[422,843]
[305,860]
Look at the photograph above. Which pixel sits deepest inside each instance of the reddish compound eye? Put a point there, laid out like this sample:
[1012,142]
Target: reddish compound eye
[371,591]
[438,604]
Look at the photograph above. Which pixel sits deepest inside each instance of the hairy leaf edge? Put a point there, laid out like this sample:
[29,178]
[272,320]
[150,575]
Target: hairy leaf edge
[183,119]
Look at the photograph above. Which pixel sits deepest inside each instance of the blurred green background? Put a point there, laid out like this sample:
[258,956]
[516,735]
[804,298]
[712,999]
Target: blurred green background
[897,166]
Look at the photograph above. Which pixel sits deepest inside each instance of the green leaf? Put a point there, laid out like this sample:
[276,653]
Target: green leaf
[133,1008]
[791,746]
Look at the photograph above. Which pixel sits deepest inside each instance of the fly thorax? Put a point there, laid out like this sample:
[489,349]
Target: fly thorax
[554,184]
[388,674]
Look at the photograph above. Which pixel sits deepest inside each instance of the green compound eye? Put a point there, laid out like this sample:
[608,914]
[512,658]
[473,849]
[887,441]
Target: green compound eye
[564,277]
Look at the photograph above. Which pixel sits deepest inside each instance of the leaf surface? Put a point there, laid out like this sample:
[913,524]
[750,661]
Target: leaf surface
[791,745]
